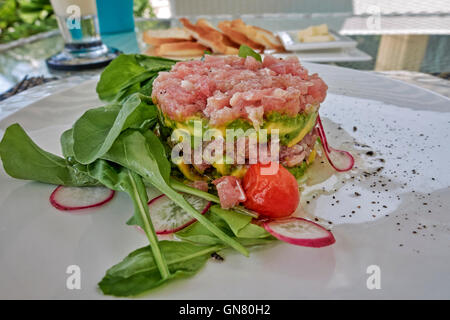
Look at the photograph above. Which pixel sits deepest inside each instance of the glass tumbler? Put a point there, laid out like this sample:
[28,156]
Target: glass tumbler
[83,47]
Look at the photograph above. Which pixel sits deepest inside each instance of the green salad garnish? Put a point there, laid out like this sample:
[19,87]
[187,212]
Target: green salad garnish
[115,146]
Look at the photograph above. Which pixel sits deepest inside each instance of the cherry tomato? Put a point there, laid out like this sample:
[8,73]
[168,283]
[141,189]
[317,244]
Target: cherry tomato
[273,196]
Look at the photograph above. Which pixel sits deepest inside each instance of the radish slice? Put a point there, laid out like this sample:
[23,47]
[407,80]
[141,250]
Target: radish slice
[77,198]
[300,232]
[340,160]
[167,217]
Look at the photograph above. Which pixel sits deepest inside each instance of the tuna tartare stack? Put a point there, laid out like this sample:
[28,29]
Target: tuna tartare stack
[230,92]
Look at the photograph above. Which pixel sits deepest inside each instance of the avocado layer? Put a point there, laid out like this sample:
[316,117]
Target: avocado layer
[291,131]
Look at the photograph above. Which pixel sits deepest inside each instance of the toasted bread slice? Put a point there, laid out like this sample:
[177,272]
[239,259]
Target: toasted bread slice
[238,37]
[258,35]
[210,37]
[181,49]
[157,37]
[207,26]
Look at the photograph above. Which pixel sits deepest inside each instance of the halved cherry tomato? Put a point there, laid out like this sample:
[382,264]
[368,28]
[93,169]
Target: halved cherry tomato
[273,196]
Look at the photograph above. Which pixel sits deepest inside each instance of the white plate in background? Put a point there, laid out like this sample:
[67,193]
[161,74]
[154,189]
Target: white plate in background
[329,55]
[290,41]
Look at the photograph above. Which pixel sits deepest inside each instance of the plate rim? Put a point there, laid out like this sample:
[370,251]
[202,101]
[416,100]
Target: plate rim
[342,42]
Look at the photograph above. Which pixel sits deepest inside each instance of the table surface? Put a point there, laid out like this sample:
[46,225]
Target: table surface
[27,56]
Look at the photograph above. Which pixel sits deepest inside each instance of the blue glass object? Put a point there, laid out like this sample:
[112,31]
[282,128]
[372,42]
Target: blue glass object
[75,33]
[115,16]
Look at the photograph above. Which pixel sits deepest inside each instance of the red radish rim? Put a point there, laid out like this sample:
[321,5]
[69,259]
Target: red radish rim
[327,149]
[61,207]
[305,242]
[170,231]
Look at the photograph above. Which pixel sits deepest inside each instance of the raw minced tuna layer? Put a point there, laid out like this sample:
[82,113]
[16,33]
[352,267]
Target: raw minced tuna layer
[225,88]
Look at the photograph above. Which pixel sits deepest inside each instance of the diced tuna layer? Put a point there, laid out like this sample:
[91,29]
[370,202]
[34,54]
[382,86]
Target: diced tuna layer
[225,88]
[230,191]
[200,185]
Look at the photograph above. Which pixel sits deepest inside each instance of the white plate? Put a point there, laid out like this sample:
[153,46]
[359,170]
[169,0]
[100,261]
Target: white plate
[291,43]
[323,53]
[330,55]
[406,126]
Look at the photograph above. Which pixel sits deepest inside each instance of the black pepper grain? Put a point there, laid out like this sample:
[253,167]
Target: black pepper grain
[217,257]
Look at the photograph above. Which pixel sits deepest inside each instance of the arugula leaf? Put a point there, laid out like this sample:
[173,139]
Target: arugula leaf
[23,159]
[240,224]
[235,221]
[232,223]
[245,51]
[199,234]
[250,242]
[66,141]
[122,179]
[137,84]
[137,273]
[144,154]
[97,129]
[116,74]
[181,187]
[154,63]
[130,73]
[146,87]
